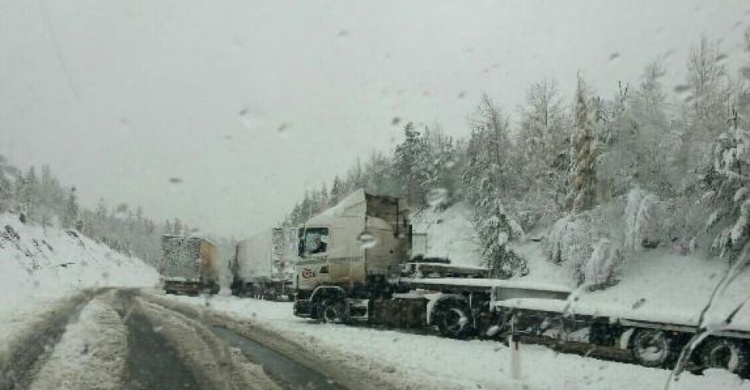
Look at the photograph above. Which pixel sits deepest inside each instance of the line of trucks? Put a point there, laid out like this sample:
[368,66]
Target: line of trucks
[354,263]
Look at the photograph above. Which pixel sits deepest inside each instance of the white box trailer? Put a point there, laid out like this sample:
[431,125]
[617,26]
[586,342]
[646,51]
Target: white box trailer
[263,266]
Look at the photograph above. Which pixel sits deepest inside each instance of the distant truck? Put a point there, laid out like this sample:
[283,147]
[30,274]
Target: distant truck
[189,265]
[355,265]
[263,265]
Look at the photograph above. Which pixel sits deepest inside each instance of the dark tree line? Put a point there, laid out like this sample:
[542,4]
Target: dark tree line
[40,198]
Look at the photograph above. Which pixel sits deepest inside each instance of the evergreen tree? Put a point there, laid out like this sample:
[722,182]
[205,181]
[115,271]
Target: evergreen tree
[71,217]
[583,154]
[488,180]
[412,165]
[337,190]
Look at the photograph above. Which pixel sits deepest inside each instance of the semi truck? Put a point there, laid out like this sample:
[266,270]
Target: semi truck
[189,265]
[354,265]
[263,265]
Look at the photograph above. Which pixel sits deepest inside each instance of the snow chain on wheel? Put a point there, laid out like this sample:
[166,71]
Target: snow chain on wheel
[653,348]
[730,355]
[453,318]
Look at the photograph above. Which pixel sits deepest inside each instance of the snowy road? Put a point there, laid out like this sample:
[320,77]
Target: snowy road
[142,339]
[122,339]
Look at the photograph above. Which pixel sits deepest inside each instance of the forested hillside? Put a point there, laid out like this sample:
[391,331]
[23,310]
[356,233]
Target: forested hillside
[41,199]
[606,177]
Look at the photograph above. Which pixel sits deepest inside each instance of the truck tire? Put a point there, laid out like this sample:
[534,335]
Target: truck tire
[332,311]
[453,318]
[731,355]
[653,348]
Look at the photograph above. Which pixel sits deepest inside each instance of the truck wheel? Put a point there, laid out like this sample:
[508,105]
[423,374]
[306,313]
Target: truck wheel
[730,355]
[333,312]
[652,348]
[453,318]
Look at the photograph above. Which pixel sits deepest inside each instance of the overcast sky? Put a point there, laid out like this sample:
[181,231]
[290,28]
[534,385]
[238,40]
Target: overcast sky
[251,102]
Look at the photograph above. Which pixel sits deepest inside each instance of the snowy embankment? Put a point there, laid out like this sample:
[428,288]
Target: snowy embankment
[654,285]
[45,265]
[421,362]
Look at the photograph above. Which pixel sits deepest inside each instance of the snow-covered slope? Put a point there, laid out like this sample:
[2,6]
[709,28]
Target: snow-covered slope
[41,266]
[654,285]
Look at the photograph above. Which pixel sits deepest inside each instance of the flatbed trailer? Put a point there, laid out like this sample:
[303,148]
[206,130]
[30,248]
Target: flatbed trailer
[351,279]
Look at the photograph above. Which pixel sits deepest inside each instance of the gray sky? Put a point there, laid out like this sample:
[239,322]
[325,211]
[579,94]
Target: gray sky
[120,96]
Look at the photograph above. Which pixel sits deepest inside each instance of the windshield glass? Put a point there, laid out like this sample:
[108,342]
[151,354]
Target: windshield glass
[389,194]
[313,240]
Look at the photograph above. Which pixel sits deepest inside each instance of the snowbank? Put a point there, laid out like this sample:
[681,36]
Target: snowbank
[420,361]
[654,285]
[43,265]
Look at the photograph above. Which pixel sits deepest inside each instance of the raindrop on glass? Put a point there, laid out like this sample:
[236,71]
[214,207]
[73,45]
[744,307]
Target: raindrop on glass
[367,240]
[681,89]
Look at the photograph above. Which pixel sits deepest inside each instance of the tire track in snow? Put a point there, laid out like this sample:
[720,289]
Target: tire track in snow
[29,352]
[213,363]
[91,353]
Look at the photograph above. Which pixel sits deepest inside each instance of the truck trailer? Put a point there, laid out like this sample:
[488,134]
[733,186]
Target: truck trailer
[189,265]
[354,265]
[263,265]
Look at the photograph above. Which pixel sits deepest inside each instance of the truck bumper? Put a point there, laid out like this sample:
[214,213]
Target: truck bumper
[189,288]
[302,308]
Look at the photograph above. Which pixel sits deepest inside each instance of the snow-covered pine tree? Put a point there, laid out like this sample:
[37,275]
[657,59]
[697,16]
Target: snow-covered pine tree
[412,164]
[8,176]
[487,181]
[542,134]
[583,153]
[71,215]
[337,190]
[728,185]
[543,142]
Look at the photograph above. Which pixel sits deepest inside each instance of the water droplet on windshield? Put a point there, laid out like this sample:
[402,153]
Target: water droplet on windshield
[252,119]
[436,197]
[367,240]
[681,89]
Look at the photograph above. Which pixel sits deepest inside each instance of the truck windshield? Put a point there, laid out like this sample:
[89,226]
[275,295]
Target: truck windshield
[312,240]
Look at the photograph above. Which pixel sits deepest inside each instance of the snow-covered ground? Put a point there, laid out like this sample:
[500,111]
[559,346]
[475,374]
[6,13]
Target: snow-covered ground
[422,361]
[42,266]
[655,285]
[91,353]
